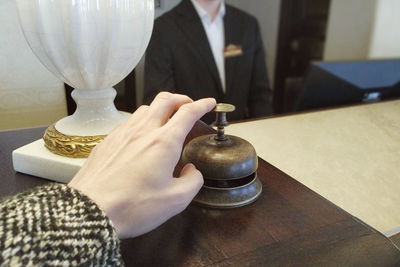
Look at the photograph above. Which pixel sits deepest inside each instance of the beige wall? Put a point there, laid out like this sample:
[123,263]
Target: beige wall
[29,94]
[349,29]
[165,6]
[363,29]
[385,36]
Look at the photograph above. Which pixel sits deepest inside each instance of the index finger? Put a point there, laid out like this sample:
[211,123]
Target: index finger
[163,106]
[187,115]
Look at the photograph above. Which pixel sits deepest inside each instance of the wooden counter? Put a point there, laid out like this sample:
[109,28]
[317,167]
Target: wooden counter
[289,225]
[351,156]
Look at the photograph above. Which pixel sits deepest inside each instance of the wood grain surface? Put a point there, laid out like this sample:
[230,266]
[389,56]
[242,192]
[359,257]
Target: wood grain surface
[288,225]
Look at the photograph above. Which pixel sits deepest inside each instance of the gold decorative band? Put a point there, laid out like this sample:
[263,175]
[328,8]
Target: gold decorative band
[70,146]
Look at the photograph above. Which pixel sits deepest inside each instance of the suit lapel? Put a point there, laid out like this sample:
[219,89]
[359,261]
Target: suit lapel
[192,27]
[232,36]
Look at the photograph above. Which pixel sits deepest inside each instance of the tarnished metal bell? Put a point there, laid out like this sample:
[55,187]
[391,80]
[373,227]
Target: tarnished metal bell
[228,164]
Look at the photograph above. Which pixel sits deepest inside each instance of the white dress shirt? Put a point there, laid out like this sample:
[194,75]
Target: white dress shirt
[216,36]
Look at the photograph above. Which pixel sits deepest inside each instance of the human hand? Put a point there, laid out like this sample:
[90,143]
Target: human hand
[129,174]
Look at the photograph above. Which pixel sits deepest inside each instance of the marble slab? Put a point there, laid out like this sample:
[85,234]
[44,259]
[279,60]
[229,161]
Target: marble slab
[35,159]
[351,156]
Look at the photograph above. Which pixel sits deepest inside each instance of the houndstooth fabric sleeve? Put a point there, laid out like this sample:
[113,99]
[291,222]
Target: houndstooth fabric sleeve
[55,225]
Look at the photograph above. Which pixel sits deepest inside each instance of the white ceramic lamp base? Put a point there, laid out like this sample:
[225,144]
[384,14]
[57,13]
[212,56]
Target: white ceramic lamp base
[95,115]
[90,45]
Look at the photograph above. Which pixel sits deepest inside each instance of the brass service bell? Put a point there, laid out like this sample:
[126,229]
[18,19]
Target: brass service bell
[228,164]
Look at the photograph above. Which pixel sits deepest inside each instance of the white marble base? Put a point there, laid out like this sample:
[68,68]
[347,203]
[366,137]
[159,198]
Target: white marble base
[35,159]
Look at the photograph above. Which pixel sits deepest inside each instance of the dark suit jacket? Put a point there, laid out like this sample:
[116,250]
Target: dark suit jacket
[179,59]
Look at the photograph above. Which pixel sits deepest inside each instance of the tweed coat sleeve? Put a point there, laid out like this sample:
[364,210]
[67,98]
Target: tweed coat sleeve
[55,225]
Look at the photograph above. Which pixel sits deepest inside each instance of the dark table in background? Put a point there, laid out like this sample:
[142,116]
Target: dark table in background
[288,225]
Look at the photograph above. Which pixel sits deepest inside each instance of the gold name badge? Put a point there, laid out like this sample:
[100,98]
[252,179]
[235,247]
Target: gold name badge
[233,51]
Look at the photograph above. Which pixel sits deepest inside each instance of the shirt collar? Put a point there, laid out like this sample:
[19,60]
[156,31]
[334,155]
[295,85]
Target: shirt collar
[203,13]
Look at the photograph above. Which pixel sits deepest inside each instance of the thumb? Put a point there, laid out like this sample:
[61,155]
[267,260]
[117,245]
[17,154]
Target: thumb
[189,181]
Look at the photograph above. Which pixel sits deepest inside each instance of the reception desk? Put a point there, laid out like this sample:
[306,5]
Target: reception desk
[350,156]
[289,225]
